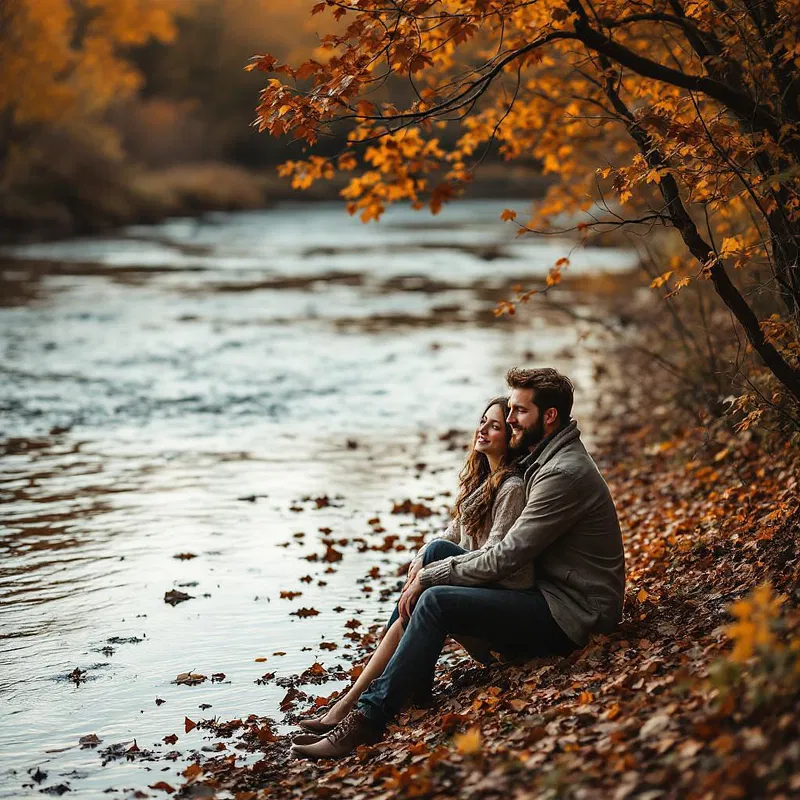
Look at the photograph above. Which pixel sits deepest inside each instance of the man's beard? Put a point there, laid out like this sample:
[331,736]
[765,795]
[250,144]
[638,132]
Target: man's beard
[529,437]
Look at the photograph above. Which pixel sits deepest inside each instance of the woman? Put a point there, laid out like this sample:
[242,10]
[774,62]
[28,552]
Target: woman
[490,498]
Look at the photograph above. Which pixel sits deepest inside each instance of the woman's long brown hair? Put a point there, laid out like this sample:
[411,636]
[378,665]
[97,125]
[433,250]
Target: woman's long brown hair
[476,472]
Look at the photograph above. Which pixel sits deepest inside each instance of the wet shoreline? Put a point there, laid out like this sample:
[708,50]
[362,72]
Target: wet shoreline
[150,391]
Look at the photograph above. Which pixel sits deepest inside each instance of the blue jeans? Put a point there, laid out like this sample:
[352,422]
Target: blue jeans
[436,550]
[516,623]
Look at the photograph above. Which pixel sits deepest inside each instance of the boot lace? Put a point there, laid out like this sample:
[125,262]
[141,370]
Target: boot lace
[344,728]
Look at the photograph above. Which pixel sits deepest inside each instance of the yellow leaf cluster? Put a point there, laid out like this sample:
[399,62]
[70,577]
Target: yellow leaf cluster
[755,621]
[61,58]
[469,743]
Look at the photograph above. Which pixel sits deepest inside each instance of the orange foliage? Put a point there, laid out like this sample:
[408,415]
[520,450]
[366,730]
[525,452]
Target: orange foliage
[675,114]
[61,57]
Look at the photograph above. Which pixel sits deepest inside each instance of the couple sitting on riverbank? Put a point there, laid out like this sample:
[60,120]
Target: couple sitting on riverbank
[531,564]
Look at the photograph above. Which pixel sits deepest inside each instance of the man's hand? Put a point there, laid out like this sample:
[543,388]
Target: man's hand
[409,598]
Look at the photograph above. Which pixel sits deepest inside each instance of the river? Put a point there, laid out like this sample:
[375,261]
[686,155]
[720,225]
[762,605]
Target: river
[217,387]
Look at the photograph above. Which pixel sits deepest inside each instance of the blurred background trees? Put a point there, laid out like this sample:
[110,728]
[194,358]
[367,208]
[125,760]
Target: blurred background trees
[112,111]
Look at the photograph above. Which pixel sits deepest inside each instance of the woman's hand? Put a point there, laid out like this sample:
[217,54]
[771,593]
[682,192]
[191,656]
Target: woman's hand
[413,570]
[409,597]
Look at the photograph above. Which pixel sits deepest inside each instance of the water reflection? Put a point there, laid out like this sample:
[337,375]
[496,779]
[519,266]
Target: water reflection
[151,382]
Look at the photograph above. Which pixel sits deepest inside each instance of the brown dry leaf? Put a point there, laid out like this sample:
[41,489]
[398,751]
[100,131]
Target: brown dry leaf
[192,771]
[724,744]
[655,725]
[163,786]
[332,555]
[188,725]
[450,721]
[266,736]
[287,595]
[418,510]
[174,596]
[304,612]
[190,678]
[170,739]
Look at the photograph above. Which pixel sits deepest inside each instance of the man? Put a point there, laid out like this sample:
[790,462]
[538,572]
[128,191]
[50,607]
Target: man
[568,532]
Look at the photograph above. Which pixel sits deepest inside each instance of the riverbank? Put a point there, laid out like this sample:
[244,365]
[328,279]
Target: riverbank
[242,388]
[680,702]
[78,199]
[223,436]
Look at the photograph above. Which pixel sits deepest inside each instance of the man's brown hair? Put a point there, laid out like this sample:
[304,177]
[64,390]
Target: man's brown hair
[551,389]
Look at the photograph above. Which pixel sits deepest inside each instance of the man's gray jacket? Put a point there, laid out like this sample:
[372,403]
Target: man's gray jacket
[568,533]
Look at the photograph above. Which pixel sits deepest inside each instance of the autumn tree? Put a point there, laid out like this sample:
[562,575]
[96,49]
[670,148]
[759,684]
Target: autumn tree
[675,113]
[60,57]
[63,62]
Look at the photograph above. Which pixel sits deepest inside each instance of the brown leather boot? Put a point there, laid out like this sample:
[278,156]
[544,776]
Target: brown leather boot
[306,738]
[353,731]
[316,725]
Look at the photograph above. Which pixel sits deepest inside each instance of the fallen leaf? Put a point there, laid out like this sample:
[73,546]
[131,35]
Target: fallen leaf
[654,725]
[192,771]
[469,743]
[175,596]
[304,612]
[188,725]
[163,786]
[332,555]
[450,721]
[190,678]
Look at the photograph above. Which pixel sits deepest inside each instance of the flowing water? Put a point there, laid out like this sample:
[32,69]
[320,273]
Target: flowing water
[194,387]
